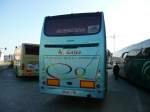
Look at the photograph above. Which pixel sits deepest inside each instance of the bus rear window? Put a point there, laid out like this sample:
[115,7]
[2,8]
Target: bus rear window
[31,50]
[72,25]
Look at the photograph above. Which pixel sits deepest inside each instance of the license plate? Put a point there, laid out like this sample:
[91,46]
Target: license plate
[70,92]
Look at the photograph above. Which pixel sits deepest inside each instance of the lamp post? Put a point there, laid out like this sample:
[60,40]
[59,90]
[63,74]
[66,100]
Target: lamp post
[114,38]
[114,42]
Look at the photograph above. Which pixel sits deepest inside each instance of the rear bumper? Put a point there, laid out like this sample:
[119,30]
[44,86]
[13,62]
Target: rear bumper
[22,74]
[91,93]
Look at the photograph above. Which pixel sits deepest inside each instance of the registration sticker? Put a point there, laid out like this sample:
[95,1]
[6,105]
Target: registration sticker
[70,92]
[93,29]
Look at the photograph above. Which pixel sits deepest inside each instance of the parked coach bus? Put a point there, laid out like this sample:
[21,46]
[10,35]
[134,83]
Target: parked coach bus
[26,59]
[73,55]
[137,67]
[135,64]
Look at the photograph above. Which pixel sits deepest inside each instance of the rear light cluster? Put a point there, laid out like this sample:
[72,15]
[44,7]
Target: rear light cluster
[87,84]
[53,82]
[83,83]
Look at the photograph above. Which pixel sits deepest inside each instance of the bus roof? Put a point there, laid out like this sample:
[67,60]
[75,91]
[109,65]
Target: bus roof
[29,44]
[74,15]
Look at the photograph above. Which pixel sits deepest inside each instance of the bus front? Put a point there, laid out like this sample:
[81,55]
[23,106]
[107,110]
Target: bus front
[73,55]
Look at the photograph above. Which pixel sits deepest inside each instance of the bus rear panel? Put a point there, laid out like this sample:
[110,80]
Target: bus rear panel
[73,55]
[27,60]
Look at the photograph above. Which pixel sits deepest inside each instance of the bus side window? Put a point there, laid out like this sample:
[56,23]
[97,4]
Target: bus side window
[146,52]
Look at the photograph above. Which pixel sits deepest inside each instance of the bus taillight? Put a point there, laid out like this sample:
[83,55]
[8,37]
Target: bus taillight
[53,82]
[87,84]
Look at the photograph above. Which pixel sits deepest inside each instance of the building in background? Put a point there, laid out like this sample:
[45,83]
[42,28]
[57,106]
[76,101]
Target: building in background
[8,58]
[2,52]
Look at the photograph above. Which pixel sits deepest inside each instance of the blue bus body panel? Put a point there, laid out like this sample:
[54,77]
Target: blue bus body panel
[73,64]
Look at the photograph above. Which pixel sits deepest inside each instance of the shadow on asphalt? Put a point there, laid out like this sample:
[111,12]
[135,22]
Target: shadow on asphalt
[77,103]
[28,79]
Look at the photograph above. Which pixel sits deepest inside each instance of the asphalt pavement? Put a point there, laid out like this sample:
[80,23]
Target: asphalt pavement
[23,95]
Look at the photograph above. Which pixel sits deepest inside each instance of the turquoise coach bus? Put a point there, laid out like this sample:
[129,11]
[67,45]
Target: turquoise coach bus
[73,55]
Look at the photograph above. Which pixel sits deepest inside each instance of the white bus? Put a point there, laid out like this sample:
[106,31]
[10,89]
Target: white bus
[26,60]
